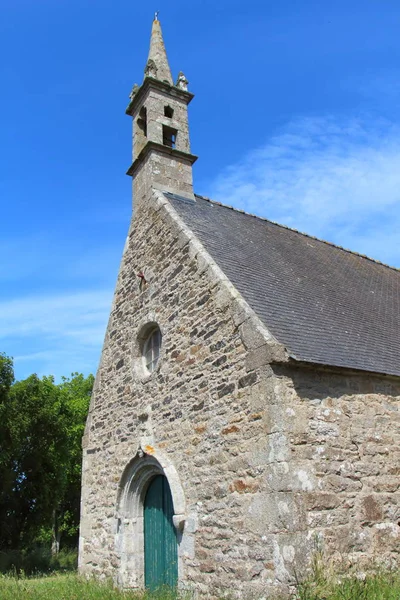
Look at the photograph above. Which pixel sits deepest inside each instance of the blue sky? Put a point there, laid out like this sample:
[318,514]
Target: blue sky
[296,118]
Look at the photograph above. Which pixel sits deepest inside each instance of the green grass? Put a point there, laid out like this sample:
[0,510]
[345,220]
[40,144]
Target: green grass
[68,586]
[381,585]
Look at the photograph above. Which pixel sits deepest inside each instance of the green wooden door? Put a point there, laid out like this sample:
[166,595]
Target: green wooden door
[160,546]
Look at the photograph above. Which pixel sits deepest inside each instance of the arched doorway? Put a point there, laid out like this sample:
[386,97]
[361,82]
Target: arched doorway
[160,544]
[134,492]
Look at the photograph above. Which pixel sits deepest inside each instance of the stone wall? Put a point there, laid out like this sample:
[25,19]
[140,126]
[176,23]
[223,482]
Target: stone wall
[261,456]
[162,170]
[338,438]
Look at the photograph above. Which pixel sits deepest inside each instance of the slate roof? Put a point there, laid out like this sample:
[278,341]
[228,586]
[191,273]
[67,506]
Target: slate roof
[326,305]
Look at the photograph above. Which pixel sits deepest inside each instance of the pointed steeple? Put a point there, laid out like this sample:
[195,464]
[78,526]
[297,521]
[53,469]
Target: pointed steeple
[161,145]
[157,65]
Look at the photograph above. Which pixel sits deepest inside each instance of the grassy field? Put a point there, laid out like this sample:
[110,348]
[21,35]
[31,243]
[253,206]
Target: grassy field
[380,586]
[68,587]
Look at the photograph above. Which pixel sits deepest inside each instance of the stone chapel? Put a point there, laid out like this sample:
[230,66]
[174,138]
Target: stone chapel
[246,405]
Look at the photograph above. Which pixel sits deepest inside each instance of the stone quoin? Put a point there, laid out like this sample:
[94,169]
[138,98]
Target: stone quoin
[250,373]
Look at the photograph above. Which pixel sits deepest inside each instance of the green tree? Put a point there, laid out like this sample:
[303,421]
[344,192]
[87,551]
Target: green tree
[6,376]
[6,380]
[75,393]
[36,449]
[41,425]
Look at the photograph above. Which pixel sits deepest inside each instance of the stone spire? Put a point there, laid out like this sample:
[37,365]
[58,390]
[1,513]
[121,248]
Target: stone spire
[161,147]
[157,65]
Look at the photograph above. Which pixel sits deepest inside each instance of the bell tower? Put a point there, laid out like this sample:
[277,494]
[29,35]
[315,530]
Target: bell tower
[161,147]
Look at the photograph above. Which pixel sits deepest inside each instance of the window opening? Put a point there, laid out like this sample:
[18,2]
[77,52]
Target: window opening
[168,112]
[151,350]
[169,136]
[142,120]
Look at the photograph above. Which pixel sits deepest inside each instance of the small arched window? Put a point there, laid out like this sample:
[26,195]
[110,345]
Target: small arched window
[151,349]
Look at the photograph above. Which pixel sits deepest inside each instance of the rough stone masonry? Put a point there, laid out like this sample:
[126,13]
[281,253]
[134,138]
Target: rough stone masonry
[266,457]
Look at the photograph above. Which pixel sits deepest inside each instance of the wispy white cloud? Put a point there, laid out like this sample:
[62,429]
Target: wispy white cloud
[55,300]
[336,179]
[55,334]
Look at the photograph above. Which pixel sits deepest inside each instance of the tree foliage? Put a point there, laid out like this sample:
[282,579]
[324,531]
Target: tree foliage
[41,426]
[75,393]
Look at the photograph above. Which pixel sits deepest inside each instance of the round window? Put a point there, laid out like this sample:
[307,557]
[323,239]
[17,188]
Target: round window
[151,350]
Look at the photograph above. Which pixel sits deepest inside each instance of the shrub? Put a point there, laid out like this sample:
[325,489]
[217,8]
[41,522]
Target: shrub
[37,560]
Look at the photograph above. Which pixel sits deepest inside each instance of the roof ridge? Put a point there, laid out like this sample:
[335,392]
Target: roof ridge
[312,237]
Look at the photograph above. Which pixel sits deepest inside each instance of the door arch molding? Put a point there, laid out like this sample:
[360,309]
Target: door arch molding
[129,522]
